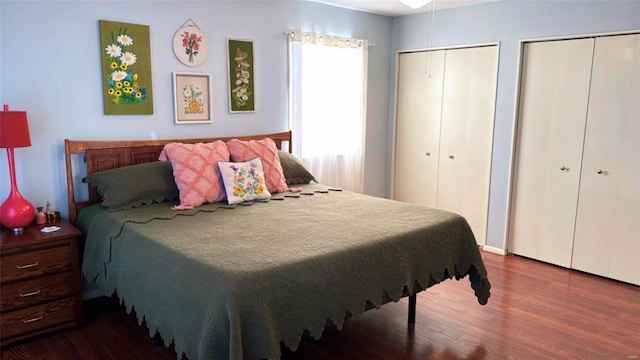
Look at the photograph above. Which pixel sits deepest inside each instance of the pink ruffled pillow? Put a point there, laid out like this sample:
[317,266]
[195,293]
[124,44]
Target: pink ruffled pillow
[195,171]
[267,151]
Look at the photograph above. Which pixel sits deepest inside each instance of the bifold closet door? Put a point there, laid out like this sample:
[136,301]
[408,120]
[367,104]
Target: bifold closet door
[419,103]
[466,132]
[554,95]
[607,237]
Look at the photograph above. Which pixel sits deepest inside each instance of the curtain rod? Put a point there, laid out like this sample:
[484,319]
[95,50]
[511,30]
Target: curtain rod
[286,33]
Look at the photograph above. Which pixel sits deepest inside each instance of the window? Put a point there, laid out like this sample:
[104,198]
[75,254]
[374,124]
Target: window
[327,106]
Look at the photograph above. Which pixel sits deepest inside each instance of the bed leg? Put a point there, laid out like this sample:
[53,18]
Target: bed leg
[157,340]
[412,309]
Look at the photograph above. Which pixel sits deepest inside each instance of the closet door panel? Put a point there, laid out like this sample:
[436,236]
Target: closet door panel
[466,134]
[479,139]
[625,256]
[551,124]
[625,259]
[607,233]
[455,104]
[419,103]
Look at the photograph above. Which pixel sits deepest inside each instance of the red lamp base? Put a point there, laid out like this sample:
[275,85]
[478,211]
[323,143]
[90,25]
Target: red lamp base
[16,212]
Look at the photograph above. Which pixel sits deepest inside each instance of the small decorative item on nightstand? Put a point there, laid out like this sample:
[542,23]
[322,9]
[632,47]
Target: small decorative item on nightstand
[51,215]
[41,217]
[40,287]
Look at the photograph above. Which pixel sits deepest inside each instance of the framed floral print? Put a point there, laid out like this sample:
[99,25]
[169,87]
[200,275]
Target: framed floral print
[190,45]
[126,68]
[241,77]
[192,98]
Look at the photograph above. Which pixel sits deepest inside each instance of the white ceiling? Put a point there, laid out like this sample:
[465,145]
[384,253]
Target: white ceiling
[395,7]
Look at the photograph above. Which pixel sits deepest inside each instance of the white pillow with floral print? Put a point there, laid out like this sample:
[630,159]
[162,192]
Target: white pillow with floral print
[244,181]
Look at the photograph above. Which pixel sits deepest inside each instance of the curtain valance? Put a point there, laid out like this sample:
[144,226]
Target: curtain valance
[325,39]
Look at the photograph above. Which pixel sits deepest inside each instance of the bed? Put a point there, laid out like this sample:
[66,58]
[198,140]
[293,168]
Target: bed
[241,281]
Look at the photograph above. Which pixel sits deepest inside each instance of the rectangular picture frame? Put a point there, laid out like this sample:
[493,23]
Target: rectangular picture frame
[126,68]
[240,75]
[192,96]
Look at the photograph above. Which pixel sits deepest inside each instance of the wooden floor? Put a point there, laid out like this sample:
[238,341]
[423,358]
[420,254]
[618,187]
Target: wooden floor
[536,311]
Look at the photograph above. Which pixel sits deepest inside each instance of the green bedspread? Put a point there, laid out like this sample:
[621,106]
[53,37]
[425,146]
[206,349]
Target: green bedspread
[226,282]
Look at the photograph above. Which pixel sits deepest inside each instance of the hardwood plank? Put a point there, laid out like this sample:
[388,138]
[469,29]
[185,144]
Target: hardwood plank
[536,311]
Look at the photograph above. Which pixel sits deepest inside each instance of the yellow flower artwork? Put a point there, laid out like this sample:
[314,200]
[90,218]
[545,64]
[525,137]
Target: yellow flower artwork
[126,68]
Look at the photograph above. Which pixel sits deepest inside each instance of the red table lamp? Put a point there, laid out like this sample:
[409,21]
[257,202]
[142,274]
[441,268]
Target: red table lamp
[16,212]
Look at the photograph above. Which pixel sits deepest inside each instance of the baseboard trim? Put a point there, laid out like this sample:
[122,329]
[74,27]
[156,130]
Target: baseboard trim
[494,250]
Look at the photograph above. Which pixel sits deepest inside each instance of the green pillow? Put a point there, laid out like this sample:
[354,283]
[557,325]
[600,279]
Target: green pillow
[294,170]
[132,186]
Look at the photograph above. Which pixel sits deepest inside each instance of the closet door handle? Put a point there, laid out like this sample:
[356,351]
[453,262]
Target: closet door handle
[563,168]
[427,153]
[451,157]
[600,171]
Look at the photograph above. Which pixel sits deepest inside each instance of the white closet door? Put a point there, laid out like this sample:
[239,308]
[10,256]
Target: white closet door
[551,123]
[607,238]
[455,104]
[419,102]
[466,134]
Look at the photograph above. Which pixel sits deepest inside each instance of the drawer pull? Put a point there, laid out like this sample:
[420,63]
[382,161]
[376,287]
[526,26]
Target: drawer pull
[30,294]
[21,267]
[26,321]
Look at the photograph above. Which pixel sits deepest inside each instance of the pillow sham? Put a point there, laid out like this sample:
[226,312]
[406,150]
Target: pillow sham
[266,150]
[244,181]
[195,171]
[132,186]
[294,170]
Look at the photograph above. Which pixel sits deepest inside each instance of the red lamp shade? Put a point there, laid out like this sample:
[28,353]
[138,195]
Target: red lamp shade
[15,212]
[14,129]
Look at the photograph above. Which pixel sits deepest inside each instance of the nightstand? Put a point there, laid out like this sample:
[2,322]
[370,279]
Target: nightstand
[40,288]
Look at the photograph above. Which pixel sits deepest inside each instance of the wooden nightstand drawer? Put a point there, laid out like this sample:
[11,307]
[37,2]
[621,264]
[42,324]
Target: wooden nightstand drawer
[31,292]
[40,287]
[35,263]
[37,318]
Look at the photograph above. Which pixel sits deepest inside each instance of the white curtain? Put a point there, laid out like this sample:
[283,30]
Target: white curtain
[327,106]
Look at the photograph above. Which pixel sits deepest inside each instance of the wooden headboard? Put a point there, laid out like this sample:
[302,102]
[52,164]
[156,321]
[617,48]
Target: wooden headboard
[105,155]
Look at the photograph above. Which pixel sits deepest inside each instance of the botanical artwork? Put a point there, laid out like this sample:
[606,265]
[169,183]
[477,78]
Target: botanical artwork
[192,100]
[126,68]
[192,93]
[241,79]
[190,45]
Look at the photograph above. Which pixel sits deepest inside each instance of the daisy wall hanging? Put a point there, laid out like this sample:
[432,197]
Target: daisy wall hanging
[126,68]
[190,45]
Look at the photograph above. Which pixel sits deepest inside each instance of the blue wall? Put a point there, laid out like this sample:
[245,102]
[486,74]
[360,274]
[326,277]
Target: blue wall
[50,66]
[508,22]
